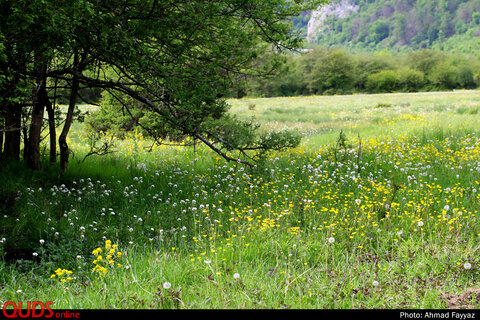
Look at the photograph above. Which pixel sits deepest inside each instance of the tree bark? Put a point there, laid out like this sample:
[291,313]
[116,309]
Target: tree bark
[1,137]
[52,133]
[40,101]
[62,140]
[13,123]
[32,146]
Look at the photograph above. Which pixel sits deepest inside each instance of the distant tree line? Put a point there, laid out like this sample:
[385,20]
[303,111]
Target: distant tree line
[334,71]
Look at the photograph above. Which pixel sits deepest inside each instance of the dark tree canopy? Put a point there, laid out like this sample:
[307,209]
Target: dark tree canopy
[176,58]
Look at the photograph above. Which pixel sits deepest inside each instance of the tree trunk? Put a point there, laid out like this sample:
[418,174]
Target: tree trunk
[13,123]
[62,140]
[12,106]
[1,137]
[32,146]
[52,133]
[40,101]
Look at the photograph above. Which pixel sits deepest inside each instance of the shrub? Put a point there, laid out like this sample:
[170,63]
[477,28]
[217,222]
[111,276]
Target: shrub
[410,79]
[383,81]
[369,64]
[444,75]
[335,72]
[476,77]
[379,30]
[382,105]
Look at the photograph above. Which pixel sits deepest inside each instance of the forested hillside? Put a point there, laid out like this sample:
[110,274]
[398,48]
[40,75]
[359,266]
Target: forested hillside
[452,25]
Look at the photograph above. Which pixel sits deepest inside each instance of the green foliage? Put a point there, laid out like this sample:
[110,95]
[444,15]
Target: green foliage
[476,77]
[334,71]
[231,132]
[166,64]
[383,105]
[382,81]
[119,118]
[379,31]
[476,17]
[410,80]
[424,60]
[394,24]
[228,132]
[279,140]
[443,76]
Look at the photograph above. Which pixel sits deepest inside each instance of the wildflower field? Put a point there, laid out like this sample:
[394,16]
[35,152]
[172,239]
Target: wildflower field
[378,208]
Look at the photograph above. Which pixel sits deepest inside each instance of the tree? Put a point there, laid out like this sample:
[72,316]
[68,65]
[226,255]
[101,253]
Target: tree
[14,85]
[176,58]
[379,31]
[382,81]
[39,37]
[410,80]
[476,17]
[444,75]
[334,72]
[425,60]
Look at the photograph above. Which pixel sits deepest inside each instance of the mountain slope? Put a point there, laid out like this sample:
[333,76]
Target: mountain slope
[398,24]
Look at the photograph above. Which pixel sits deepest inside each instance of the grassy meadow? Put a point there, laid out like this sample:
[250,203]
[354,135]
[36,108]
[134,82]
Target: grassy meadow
[377,208]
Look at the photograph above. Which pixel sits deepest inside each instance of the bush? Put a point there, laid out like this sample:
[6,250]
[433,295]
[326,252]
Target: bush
[383,81]
[369,64]
[379,30]
[117,120]
[335,73]
[410,80]
[424,60]
[110,118]
[444,75]
[476,17]
[465,76]
[382,105]
[476,77]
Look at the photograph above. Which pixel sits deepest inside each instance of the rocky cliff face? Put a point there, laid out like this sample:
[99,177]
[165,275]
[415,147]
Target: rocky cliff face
[338,8]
